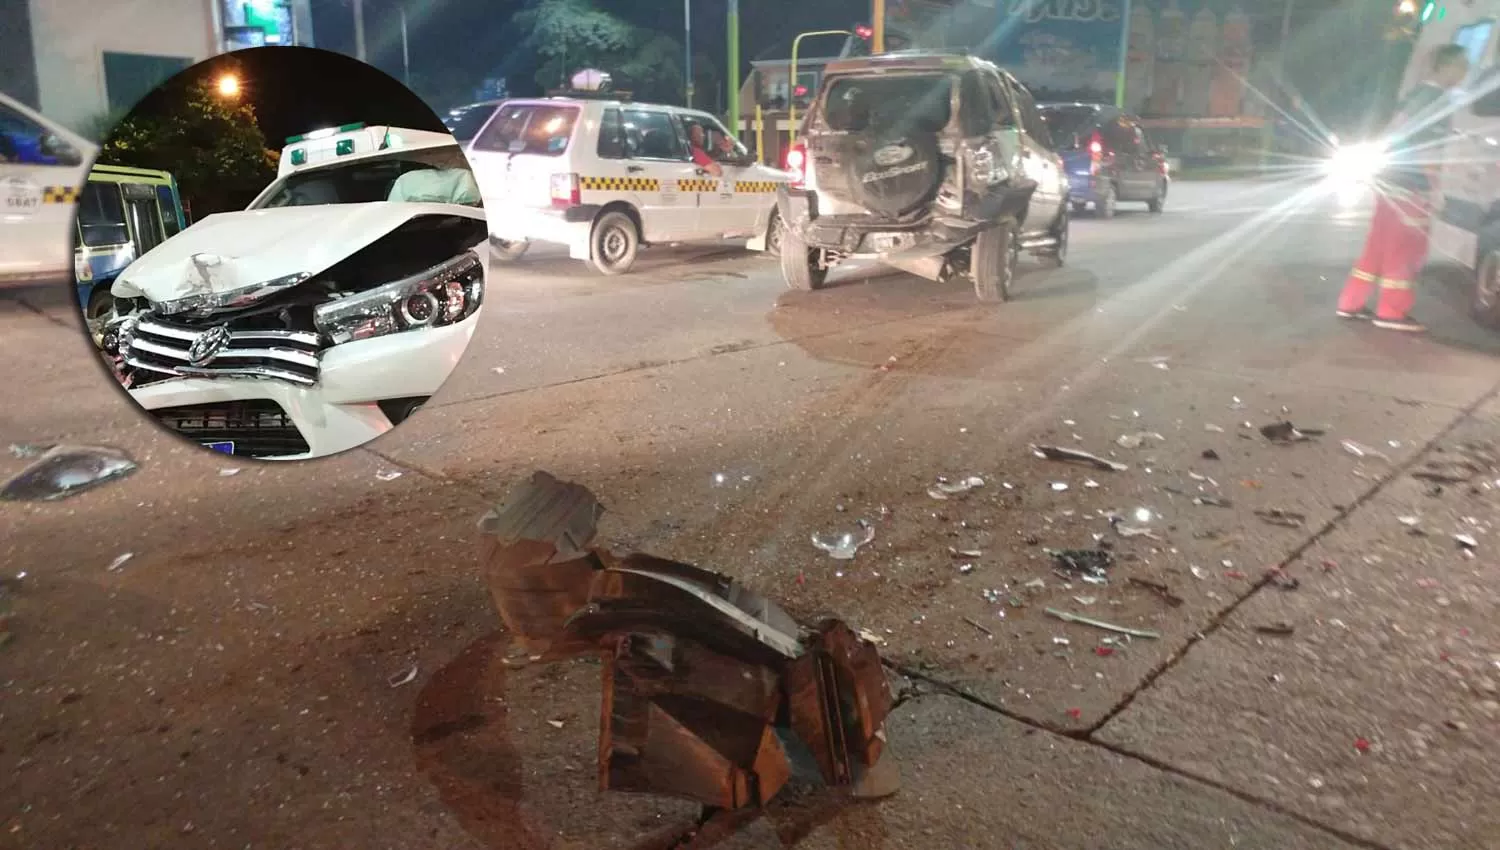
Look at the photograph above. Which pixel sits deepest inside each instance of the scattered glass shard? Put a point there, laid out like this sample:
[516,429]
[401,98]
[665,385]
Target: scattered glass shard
[842,546]
[945,488]
[64,471]
[1077,456]
[119,562]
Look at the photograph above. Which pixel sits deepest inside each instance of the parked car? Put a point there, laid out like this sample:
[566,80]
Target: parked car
[322,315]
[935,163]
[1109,157]
[605,176]
[122,214]
[42,168]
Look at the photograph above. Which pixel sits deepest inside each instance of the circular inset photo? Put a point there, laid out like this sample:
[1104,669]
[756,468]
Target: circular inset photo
[280,253]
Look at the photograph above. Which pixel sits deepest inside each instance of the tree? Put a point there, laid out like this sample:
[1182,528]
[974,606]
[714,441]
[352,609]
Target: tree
[210,143]
[567,35]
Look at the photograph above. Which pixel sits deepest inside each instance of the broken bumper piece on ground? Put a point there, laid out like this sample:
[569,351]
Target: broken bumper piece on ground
[706,684]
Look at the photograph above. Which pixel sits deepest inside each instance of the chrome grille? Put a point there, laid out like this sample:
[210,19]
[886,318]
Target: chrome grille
[154,345]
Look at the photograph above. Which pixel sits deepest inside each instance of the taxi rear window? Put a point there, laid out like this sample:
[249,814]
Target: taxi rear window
[531,128]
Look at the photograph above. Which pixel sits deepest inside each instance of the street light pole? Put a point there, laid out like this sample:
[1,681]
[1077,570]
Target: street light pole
[732,78]
[791,86]
[1124,55]
[687,49]
[359,30]
[405,53]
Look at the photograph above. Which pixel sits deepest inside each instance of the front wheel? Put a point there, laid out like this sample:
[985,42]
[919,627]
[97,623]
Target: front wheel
[614,243]
[1058,253]
[993,262]
[1485,305]
[506,250]
[802,267]
[775,232]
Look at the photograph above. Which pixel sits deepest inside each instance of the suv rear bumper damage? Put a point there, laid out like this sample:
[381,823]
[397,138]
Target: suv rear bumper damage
[703,678]
[871,235]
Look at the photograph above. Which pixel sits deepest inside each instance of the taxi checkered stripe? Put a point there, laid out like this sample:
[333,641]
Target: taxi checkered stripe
[59,194]
[755,186]
[620,184]
[698,185]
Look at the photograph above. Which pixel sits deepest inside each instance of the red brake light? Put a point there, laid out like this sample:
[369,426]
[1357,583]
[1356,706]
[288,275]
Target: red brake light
[796,162]
[566,191]
[1096,144]
[864,32]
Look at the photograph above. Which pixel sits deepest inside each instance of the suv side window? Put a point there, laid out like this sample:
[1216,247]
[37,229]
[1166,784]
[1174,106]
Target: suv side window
[1000,96]
[611,135]
[977,112]
[1031,118]
[651,134]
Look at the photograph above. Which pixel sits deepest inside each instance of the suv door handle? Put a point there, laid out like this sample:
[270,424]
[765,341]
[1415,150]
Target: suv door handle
[634,169]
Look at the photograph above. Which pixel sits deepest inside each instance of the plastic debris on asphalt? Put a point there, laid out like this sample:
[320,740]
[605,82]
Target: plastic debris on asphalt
[841,546]
[1100,624]
[27,451]
[1364,451]
[1286,432]
[405,678]
[119,562]
[388,475]
[1138,439]
[1059,486]
[1283,518]
[64,471]
[1083,564]
[1077,456]
[945,489]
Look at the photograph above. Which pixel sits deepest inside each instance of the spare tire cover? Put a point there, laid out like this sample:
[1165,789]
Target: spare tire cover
[893,173]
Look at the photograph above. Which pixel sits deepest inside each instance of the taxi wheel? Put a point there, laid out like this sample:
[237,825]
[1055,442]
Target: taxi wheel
[506,250]
[1486,302]
[614,244]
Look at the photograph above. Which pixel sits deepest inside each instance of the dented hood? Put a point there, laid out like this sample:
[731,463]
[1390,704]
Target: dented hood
[232,251]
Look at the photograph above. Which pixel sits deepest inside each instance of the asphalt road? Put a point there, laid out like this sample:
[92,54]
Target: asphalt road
[228,686]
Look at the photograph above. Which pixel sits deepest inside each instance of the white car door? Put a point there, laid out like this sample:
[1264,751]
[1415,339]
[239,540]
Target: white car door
[42,169]
[745,194]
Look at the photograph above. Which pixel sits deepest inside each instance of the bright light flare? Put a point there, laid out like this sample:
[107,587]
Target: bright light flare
[229,85]
[1356,165]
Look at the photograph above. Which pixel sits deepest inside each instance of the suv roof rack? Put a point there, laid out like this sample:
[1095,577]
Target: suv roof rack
[574,94]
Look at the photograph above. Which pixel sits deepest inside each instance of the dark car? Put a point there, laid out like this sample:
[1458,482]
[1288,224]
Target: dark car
[1108,156]
[465,122]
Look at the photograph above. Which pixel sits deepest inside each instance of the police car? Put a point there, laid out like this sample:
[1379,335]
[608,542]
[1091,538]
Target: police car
[322,315]
[42,168]
[602,175]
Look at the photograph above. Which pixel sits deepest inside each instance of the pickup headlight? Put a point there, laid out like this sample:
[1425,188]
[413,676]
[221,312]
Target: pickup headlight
[446,293]
[1357,163]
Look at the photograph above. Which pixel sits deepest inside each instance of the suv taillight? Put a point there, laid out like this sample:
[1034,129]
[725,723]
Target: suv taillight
[1096,152]
[565,191]
[796,162]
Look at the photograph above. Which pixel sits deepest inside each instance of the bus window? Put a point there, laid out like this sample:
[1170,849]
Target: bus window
[169,219]
[101,216]
[145,217]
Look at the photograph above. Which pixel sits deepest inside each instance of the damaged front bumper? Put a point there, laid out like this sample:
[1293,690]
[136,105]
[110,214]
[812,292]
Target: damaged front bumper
[705,682]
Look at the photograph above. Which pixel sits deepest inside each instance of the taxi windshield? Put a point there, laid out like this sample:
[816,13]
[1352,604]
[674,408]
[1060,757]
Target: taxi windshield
[366,180]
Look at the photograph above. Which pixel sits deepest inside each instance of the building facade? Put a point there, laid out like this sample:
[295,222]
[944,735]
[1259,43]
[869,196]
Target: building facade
[77,61]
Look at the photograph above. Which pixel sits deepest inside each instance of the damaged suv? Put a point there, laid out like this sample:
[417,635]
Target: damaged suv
[935,163]
[322,315]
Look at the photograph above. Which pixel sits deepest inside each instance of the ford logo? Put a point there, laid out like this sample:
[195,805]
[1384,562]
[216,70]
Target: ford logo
[892,155]
[208,345]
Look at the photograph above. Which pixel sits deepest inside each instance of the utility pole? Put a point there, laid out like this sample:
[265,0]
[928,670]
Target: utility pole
[1286,36]
[405,53]
[732,78]
[687,49]
[359,30]
[1124,55]
[877,25]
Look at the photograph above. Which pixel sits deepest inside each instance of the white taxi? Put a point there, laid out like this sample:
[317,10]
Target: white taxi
[42,169]
[604,176]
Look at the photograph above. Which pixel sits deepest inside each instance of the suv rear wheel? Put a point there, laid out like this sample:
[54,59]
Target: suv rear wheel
[614,243]
[993,262]
[801,266]
[1108,201]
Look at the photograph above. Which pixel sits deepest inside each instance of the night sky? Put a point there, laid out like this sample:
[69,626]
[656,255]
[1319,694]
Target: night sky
[295,90]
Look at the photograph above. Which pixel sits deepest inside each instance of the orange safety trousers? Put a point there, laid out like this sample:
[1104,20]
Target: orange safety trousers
[1394,254]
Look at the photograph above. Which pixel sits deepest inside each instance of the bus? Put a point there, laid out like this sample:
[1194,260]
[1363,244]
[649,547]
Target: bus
[123,212]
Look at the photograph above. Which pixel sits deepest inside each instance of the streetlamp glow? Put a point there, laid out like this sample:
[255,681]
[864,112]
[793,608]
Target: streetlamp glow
[229,85]
[1407,7]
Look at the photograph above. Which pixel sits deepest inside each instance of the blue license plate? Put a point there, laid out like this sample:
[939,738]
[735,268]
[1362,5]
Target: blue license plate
[226,446]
